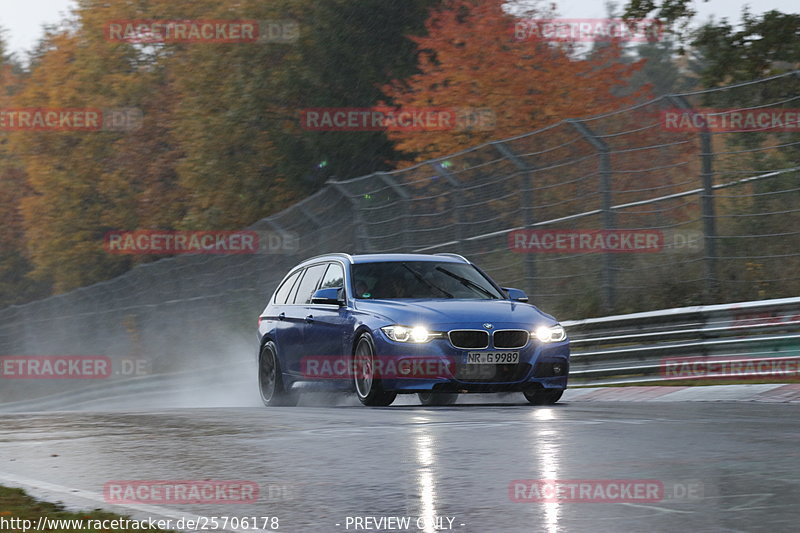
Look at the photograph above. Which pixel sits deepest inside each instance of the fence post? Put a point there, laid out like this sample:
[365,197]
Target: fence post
[707,203]
[526,206]
[360,235]
[455,197]
[609,222]
[405,200]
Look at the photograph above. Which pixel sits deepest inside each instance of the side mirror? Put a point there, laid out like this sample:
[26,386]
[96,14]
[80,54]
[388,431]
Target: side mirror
[327,296]
[516,294]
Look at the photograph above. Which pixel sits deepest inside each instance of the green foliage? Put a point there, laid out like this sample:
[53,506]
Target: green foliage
[763,46]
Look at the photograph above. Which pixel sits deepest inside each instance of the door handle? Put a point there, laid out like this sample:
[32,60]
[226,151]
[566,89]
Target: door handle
[310,318]
[281,316]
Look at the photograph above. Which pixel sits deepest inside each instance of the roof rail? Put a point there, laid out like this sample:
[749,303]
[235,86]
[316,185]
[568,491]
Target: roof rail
[332,254]
[454,255]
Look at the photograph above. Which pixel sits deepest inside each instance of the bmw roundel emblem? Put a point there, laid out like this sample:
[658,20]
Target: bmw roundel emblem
[488,326]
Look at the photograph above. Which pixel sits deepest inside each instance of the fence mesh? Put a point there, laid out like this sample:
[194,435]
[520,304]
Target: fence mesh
[726,201]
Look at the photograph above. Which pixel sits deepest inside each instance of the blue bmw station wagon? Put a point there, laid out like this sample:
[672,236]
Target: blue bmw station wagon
[389,324]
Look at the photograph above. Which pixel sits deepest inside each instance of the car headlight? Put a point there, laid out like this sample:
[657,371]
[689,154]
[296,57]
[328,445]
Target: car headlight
[550,333]
[416,334]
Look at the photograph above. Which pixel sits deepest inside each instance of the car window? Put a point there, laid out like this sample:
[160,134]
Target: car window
[309,284]
[283,291]
[334,277]
[421,279]
[293,292]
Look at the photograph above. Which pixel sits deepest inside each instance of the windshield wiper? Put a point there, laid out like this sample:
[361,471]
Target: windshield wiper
[425,281]
[467,282]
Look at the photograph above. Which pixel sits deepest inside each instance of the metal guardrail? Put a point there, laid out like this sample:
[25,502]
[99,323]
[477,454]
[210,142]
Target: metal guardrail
[614,350]
[644,348]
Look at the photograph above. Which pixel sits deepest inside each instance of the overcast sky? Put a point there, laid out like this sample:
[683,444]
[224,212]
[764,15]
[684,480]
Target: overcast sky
[23,19]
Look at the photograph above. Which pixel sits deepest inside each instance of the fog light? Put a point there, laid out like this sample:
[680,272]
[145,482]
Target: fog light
[558,369]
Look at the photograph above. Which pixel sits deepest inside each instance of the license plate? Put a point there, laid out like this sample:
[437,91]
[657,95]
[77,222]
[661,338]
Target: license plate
[492,358]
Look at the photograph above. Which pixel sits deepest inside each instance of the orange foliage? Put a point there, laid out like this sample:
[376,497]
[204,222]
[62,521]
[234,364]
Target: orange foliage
[470,60]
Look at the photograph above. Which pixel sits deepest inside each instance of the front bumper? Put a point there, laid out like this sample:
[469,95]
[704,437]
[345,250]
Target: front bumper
[534,370]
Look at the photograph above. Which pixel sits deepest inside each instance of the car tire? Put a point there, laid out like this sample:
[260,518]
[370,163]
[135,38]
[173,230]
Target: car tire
[543,396]
[365,377]
[270,380]
[430,399]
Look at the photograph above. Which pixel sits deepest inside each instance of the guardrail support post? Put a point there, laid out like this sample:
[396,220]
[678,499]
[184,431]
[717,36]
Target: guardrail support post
[609,222]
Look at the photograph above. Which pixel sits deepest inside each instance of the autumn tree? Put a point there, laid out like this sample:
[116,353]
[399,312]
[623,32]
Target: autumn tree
[238,116]
[15,284]
[237,107]
[85,183]
[470,59]
[219,145]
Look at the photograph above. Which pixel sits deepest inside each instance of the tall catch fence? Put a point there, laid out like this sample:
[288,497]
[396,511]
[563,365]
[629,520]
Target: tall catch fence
[722,197]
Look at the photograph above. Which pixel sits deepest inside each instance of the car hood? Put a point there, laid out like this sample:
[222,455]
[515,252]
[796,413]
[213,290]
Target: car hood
[465,313]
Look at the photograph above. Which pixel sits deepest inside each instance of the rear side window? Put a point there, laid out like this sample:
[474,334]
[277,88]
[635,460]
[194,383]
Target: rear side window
[309,283]
[283,292]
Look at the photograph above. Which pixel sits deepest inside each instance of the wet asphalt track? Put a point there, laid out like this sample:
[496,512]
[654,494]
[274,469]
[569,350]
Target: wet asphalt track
[316,466]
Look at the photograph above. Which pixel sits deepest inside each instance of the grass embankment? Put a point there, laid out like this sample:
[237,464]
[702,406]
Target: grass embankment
[20,513]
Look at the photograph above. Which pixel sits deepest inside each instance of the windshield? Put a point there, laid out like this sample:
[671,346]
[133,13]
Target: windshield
[421,279]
